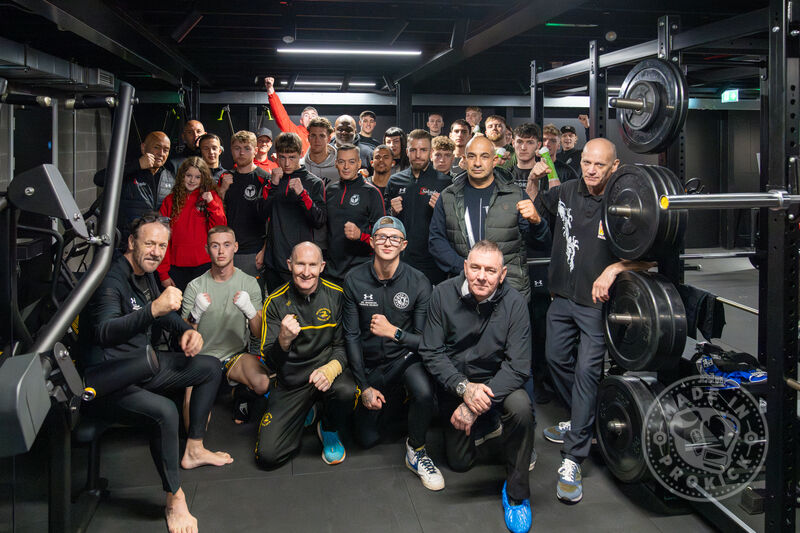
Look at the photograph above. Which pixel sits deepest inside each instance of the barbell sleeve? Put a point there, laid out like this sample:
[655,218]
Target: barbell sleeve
[772,199]
[636,104]
[627,319]
[623,210]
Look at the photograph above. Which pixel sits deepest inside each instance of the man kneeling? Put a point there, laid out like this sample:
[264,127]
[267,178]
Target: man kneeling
[302,340]
[477,345]
[385,304]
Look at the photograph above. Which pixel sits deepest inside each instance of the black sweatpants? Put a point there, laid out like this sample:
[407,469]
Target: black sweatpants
[142,405]
[576,374]
[281,428]
[518,434]
[390,379]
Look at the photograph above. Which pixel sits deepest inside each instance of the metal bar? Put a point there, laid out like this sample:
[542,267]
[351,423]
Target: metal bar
[709,255]
[404,107]
[731,28]
[537,98]
[737,305]
[627,103]
[774,199]
[54,330]
[597,94]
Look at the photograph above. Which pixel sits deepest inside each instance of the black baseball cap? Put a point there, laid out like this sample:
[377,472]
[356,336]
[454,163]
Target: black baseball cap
[568,129]
[264,131]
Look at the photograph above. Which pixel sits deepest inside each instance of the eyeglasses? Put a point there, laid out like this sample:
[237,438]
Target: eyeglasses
[393,240]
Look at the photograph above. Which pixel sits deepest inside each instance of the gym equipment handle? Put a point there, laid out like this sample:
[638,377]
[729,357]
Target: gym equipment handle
[618,318]
[636,104]
[772,199]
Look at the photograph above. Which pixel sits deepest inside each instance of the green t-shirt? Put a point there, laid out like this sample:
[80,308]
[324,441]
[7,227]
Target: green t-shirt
[223,327]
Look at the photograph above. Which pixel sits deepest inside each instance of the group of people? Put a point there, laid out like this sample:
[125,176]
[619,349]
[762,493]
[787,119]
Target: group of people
[356,282]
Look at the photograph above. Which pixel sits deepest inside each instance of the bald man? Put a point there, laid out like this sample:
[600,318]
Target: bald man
[482,205]
[192,131]
[303,341]
[582,269]
[344,132]
[146,182]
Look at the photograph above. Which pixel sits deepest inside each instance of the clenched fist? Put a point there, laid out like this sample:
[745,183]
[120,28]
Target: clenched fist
[380,326]
[351,231]
[269,84]
[540,169]
[397,204]
[276,176]
[434,199]
[170,300]
[290,329]
[296,185]
[225,182]
[147,161]
[528,211]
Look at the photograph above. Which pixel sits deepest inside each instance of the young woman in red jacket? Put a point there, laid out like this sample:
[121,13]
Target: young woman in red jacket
[193,208]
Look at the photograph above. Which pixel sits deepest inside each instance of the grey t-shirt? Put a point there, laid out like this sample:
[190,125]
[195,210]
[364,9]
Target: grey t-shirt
[223,327]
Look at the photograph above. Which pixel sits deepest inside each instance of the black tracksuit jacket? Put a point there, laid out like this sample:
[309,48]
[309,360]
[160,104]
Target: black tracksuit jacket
[486,343]
[292,217]
[402,299]
[118,319]
[353,201]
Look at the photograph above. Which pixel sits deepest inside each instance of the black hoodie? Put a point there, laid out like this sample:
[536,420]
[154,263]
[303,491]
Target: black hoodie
[487,342]
[292,217]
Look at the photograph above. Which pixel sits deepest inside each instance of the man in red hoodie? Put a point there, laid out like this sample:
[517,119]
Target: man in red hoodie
[282,117]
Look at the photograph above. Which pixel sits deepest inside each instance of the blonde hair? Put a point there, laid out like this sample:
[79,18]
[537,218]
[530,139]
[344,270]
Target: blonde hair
[443,142]
[550,129]
[244,137]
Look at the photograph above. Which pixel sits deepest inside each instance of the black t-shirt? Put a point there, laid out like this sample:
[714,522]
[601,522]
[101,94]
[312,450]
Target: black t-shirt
[476,206]
[580,251]
[245,209]
[143,285]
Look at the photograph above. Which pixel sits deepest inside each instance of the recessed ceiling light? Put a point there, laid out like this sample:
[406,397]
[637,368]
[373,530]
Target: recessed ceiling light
[344,51]
[569,25]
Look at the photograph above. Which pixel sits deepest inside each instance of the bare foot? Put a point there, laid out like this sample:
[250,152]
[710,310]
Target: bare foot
[179,520]
[197,455]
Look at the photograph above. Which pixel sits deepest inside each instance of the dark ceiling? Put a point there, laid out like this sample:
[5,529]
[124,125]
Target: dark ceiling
[484,46]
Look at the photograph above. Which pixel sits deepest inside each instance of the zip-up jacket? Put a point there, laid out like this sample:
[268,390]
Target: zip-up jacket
[416,213]
[284,122]
[487,342]
[402,299]
[216,173]
[353,201]
[142,191]
[321,339]
[293,218]
[118,320]
[187,244]
[246,209]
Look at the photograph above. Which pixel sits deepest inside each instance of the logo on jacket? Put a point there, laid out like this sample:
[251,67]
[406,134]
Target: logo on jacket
[355,199]
[601,234]
[424,191]
[250,192]
[135,305]
[368,301]
[401,300]
[401,190]
[323,314]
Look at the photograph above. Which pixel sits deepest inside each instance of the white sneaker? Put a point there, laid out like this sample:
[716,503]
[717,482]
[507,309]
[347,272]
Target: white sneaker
[418,462]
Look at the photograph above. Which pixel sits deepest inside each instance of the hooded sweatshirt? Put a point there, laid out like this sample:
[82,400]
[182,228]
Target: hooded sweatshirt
[326,171]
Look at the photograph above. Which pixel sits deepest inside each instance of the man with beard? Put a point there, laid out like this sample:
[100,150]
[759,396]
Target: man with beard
[192,131]
[295,206]
[353,207]
[411,194]
[210,150]
[496,132]
[385,304]
[145,183]
[282,117]
[344,132]
[382,162]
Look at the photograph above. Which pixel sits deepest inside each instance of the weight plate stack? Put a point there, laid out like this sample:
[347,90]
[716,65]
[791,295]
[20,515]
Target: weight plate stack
[622,404]
[644,322]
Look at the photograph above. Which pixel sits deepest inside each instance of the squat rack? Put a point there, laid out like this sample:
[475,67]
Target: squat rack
[778,246]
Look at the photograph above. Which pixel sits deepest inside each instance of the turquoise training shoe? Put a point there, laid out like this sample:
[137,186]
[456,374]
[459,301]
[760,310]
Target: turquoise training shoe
[519,518]
[333,451]
[570,487]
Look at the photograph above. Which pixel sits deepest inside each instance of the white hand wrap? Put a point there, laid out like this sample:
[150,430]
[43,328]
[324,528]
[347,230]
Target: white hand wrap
[242,301]
[201,303]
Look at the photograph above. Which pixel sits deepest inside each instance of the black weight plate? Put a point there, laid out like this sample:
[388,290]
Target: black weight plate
[679,218]
[622,404]
[665,217]
[668,117]
[649,93]
[631,237]
[655,335]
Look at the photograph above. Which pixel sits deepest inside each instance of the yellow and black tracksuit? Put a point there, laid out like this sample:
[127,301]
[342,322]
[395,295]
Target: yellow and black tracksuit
[320,343]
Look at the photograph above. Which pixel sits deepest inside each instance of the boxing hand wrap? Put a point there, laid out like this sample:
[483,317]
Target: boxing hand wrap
[201,304]
[331,370]
[243,303]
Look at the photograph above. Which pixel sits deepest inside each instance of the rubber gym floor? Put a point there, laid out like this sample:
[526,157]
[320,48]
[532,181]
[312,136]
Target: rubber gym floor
[372,490]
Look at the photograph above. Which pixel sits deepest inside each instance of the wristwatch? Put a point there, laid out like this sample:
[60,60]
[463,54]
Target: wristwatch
[461,388]
[398,334]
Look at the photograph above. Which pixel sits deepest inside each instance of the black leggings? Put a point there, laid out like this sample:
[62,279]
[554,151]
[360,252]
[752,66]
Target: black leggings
[142,405]
[390,379]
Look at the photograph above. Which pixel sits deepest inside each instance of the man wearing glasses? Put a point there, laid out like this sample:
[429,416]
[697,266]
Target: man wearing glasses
[385,306]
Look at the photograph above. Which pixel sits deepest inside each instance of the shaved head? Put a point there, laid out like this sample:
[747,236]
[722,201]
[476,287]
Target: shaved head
[344,130]
[604,145]
[156,136]
[480,142]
